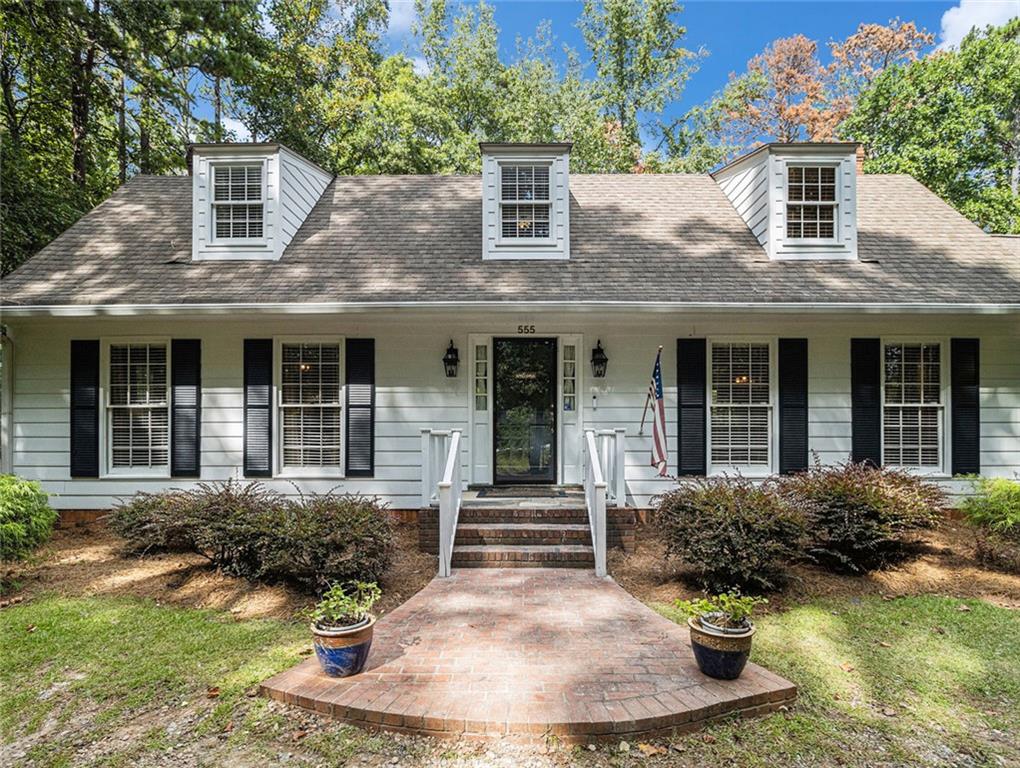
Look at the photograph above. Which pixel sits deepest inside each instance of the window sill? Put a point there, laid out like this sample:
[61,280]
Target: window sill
[141,475]
[308,474]
[748,472]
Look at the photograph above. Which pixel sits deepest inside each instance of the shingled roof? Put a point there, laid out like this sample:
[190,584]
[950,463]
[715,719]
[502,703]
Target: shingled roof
[417,239]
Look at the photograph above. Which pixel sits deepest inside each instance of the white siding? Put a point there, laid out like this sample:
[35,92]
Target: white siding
[746,186]
[301,186]
[413,393]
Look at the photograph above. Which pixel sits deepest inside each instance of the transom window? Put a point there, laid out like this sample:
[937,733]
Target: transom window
[912,412]
[811,202]
[137,406]
[237,202]
[310,406]
[741,407]
[524,201]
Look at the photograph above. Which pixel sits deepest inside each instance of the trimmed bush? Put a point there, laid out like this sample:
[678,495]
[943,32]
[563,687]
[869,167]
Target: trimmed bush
[26,517]
[994,512]
[248,530]
[730,533]
[861,517]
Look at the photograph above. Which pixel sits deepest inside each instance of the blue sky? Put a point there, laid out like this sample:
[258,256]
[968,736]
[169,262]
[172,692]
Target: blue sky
[730,31]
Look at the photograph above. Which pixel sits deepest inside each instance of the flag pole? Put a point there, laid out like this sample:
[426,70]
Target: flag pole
[641,429]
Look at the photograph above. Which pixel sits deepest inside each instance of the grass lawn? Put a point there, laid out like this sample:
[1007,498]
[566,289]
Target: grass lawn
[125,681]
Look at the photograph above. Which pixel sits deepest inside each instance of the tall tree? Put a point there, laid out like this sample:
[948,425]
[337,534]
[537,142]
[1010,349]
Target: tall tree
[640,64]
[952,120]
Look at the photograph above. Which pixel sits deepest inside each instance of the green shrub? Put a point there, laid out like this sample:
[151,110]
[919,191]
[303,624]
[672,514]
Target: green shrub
[731,533]
[26,517]
[994,511]
[248,530]
[862,517]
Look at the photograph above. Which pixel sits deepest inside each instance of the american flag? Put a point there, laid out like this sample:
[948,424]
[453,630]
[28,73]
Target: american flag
[659,458]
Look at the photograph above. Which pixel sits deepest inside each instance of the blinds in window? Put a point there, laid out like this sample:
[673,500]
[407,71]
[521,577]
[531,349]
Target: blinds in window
[912,405]
[138,406]
[237,201]
[524,201]
[741,404]
[310,405]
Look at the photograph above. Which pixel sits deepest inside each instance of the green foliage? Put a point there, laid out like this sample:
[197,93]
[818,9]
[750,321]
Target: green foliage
[736,609]
[250,531]
[994,511]
[952,121]
[862,517]
[344,606]
[732,533]
[26,518]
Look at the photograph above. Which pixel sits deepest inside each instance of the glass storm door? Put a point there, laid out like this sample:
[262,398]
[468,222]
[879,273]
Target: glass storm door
[524,409]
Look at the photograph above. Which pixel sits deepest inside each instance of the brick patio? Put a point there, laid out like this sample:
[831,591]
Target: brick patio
[529,653]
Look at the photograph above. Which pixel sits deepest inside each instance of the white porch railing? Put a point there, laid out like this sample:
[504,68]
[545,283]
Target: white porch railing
[611,447]
[440,481]
[595,499]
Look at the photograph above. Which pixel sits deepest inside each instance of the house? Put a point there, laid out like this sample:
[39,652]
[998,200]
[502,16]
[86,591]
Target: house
[261,318]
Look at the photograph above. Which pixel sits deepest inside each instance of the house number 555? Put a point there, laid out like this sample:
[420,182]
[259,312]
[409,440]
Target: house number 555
[525,329]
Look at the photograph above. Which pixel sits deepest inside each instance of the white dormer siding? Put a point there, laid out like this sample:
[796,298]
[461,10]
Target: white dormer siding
[803,223]
[249,200]
[525,201]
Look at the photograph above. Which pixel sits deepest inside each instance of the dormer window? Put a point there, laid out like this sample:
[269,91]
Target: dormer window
[238,202]
[811,202]
[524,202]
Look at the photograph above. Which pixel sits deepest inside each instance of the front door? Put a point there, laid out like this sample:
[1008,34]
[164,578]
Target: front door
[524,409]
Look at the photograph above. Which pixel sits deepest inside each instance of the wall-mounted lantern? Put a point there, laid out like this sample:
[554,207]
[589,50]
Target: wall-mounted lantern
[599,361]
[450,361]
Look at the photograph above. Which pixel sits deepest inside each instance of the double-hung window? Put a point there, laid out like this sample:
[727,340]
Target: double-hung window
[137,407]
[237,202]
[811,202]
[741,405]
[912,414]
[310,406]
[524,202]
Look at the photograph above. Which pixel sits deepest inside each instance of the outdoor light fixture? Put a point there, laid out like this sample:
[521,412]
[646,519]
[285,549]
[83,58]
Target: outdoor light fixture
[599,361]
[450,361]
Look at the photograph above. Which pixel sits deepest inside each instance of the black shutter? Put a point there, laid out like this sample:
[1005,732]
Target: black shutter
[965,383]
[85,408]
[360,366]
[793,405]
[186,407]
[866,400]
[258,413]
[691,410]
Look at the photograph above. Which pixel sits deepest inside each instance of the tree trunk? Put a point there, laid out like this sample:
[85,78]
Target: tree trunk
[82,70]
[122,133]
[217,110]
[144,137]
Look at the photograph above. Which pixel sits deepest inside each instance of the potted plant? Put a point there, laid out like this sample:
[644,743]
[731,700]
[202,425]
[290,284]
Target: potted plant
[721,632]
[342,627]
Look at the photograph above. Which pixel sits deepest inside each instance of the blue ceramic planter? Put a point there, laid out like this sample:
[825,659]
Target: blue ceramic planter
[720,655]
[343,652]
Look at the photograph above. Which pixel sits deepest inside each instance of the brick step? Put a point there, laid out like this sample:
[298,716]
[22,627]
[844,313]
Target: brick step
[540,534]
[522,556]
[498,515]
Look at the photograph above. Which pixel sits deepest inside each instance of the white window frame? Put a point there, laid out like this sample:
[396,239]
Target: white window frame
[329,473]
[238,241]
[836,238]
[746,470]
[945,443]
[105,429]
[501,239]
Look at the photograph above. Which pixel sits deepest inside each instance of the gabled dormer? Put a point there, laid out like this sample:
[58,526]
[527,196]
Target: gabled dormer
[799,199]
[248,200]
[525,201]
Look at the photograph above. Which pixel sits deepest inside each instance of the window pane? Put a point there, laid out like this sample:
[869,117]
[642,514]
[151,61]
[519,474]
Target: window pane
[912,416]
[741,394]
[310,405]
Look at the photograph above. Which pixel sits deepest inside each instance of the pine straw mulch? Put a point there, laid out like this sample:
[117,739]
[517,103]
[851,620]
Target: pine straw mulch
[92,560]
[944,564]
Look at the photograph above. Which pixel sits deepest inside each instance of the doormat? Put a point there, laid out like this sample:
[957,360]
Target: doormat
[521,492]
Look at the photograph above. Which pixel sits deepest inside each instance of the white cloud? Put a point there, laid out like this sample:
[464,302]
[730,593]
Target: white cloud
[236,127]
[402,16]
[959,20]
[421,67]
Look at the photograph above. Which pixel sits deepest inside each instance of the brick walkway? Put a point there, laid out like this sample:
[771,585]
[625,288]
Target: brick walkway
[528,653]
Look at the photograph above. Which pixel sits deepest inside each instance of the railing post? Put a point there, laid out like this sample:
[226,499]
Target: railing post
[445,517]
[426,468]
[599,539]
[620,468]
